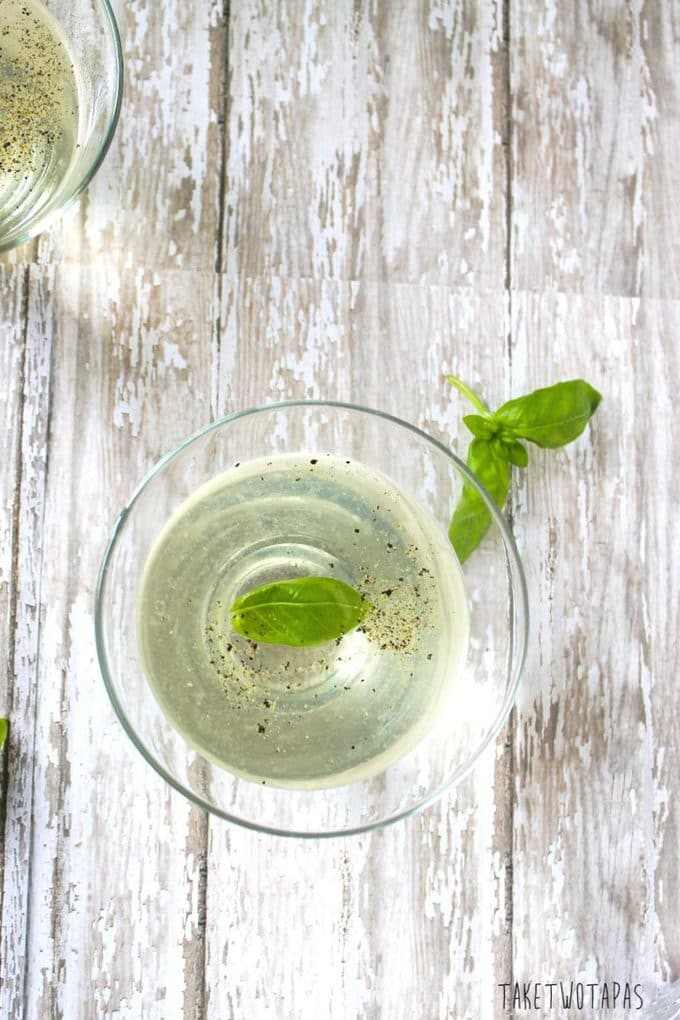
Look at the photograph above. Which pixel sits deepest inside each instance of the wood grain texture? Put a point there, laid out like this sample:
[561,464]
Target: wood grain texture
[402,922]
[595,111]
[30,434]
[597,854]
[310,199]
[595,127]
[95,839]
[12,316]
[364,141]
[13,292]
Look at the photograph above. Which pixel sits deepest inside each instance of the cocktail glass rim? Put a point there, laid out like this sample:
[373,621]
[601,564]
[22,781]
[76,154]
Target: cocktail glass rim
[510,545]
[41,222]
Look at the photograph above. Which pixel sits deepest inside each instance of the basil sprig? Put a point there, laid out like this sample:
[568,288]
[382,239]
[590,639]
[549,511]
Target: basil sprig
[300,612]
[549,417]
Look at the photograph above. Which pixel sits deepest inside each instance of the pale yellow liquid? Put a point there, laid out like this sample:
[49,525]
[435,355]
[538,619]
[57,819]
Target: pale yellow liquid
[303,717]
[38,112]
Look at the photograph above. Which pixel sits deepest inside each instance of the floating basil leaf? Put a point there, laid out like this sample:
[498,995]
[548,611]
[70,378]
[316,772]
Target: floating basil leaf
[301,612]
[550,417]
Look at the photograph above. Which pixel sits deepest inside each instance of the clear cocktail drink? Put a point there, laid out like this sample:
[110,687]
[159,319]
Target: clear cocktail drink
[303,717]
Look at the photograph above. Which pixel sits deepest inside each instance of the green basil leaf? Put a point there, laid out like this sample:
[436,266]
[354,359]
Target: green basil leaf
[469,523]
[4,726]
[471,518]
[482,428]
[301,612]
[487,460]
[470,394]
[516,453]
[550,417]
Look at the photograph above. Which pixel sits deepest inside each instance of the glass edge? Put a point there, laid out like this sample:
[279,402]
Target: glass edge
[205,430]
[460,773]
[40,225]
[120,84]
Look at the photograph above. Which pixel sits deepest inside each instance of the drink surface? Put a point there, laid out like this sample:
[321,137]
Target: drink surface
[303,717]
[38,111]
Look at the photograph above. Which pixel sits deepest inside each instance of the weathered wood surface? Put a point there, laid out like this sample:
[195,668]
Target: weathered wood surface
[597,855]
[349,199]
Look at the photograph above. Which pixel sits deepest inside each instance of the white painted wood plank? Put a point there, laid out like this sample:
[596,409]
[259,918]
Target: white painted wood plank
[596,147]
[29,435]
[12,297]
[595,164]
[13,839]
[398,923]
[116,857]
[596,851]
[364,141]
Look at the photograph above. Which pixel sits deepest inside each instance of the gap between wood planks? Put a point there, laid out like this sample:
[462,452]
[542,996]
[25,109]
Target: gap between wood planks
[203,823]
